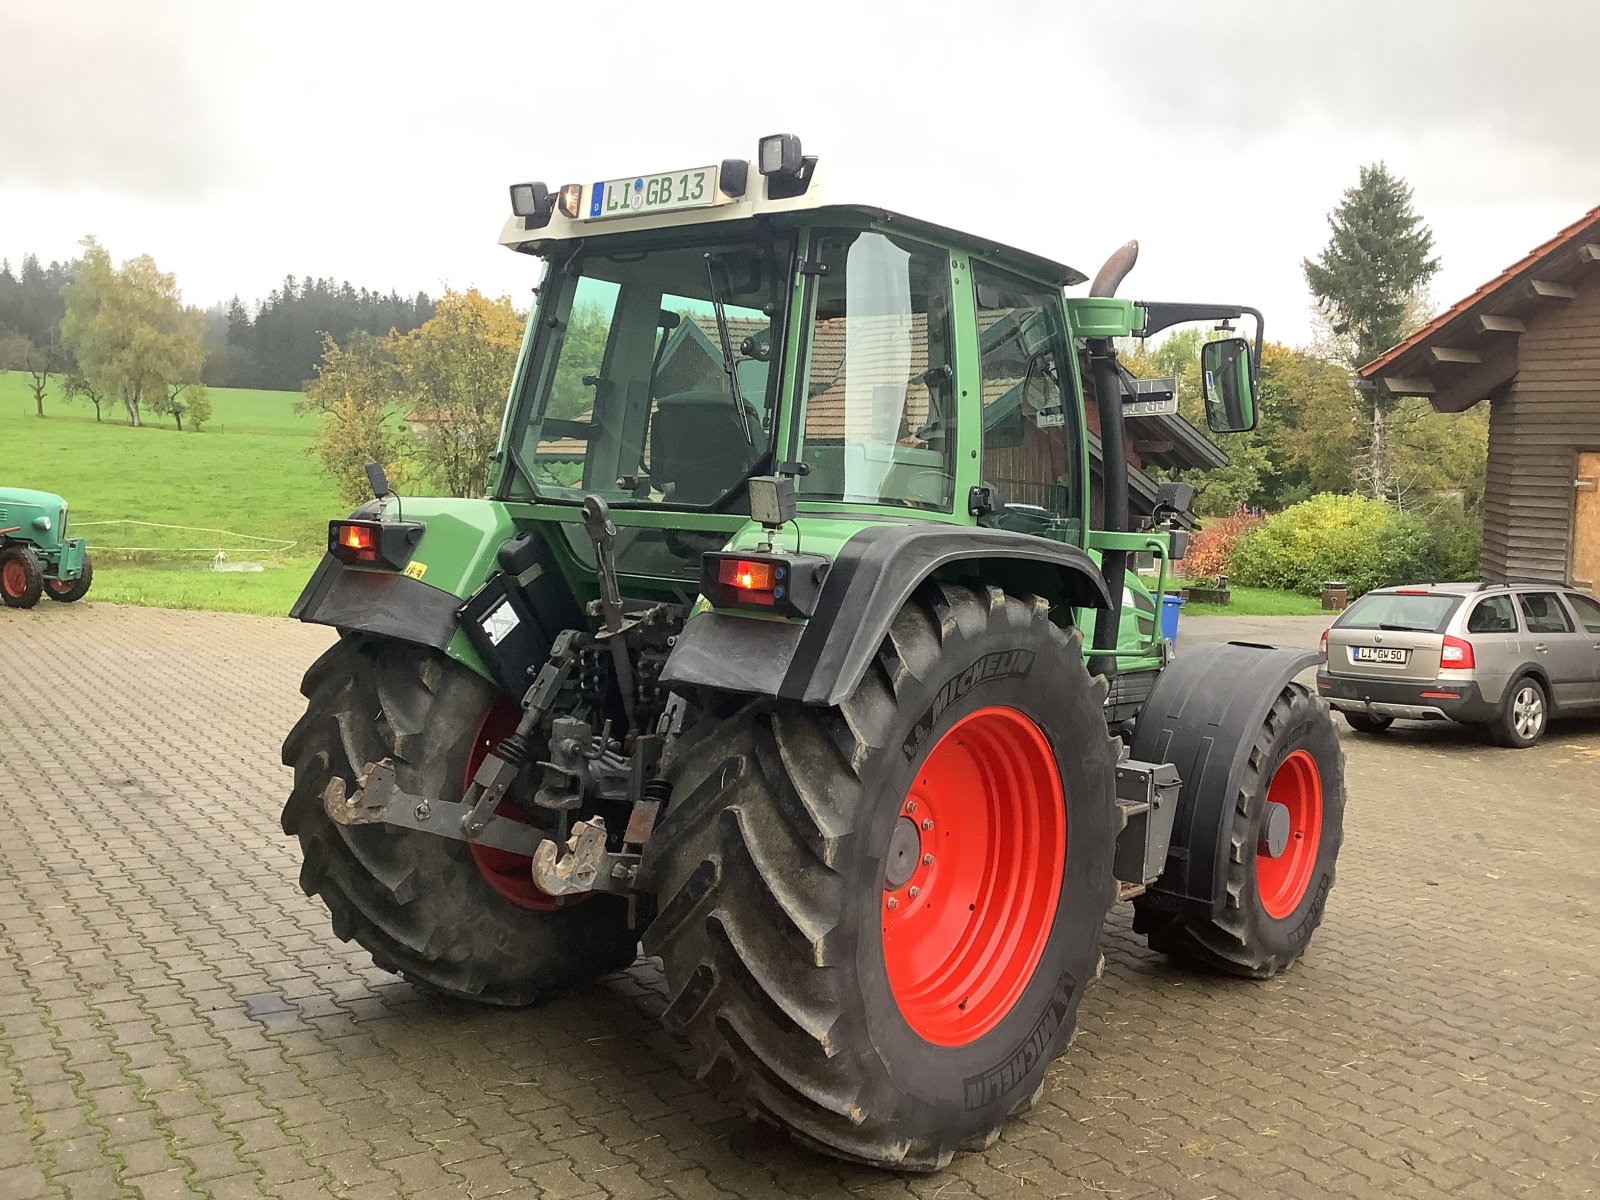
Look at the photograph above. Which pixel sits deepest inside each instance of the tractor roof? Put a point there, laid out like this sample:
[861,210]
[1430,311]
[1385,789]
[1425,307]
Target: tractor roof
[734,212]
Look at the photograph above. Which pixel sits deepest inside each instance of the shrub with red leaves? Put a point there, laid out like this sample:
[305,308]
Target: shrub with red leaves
[1211,547]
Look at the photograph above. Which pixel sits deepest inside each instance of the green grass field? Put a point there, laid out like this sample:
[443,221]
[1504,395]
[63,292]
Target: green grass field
[248,486]
[1255,602]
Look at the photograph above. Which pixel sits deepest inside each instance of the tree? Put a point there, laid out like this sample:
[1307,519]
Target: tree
[76,386]
[38,361]
[1366,280]
[128,330]
[355,392]
[455,372]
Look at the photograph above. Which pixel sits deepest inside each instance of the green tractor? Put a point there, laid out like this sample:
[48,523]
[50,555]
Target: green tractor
[37,558]
[797,639]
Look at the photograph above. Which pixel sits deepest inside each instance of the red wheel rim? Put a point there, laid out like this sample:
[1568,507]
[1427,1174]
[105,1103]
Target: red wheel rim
[509,874]
[1282,881]
[60,586]
[14,578]
[967,917]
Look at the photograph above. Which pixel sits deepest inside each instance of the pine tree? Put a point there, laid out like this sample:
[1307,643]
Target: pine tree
[1367,280]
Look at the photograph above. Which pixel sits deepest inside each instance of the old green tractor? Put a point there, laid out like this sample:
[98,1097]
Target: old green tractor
[797,637]
[37,558]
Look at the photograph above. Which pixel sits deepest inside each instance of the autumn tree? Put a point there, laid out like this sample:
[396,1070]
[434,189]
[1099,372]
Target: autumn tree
[1367,279]
[356,394]
[128,330]
[455,371]
[36,359]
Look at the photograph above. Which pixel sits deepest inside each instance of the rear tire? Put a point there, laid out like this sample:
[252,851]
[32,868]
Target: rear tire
[1272,905]
[1367,722]
[1524,714]
[69,591]
[808,976]
[418,902]
[21,576]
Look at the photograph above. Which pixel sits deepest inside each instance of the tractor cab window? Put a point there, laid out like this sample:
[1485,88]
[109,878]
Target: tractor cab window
[1031,446]
[651,382]
[880,412]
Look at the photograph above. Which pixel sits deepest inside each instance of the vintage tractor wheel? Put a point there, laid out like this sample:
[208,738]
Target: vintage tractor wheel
[421,904]
[1287,823]
[877,920]
[69,590]
[21,576]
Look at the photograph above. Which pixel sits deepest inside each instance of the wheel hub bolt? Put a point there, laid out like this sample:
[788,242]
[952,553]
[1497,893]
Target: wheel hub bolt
[911,806]
[914,891]
[894,902]
[927,822]
[927,860]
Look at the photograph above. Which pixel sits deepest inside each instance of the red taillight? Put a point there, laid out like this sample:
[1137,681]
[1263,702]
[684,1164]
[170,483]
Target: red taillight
[756,582]
[1323,646]
[1457,654]
[358,537]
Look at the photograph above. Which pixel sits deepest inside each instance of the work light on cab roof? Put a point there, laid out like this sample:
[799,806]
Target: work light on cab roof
[778,156]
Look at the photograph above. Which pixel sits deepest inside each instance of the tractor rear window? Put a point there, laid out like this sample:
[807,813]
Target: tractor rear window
[1417,612]
[880,410]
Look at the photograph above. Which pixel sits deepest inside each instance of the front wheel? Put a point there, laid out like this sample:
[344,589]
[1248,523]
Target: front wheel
[1286,823]
[70,590]
[877,921]
[21,576]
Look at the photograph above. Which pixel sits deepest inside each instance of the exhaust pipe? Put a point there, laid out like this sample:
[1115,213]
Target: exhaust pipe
[1113,464]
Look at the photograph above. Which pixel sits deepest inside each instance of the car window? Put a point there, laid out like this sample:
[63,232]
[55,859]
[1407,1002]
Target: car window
[1421,612]
[1544,613]
[1493,615]
[1588,611]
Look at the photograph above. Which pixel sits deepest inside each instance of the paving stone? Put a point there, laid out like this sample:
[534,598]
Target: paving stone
[173,1007]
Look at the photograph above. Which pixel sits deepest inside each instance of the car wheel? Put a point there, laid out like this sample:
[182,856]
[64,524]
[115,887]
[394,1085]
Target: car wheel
[1524,712]
[1367,722]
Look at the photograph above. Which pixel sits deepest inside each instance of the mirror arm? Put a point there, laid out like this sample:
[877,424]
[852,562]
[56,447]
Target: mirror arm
[1160,315]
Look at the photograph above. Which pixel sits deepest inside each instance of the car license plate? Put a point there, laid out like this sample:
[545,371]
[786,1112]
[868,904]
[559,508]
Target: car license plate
[666,192]
[1380,654]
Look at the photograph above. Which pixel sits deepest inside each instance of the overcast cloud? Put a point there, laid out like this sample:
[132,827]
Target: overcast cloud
[241,142]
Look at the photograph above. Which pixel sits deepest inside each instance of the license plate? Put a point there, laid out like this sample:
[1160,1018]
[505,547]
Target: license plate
[666,192]
[1379,654]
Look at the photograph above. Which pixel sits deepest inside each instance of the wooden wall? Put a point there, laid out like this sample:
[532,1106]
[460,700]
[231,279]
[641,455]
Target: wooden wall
[1549,415]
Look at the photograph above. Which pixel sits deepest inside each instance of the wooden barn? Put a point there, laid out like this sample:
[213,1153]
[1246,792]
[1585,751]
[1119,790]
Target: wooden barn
[1527,343]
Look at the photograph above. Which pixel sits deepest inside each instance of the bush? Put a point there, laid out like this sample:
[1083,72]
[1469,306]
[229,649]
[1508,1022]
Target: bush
[1365,543]
[1211,549]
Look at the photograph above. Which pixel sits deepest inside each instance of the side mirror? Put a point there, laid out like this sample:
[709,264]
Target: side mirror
[1230,385]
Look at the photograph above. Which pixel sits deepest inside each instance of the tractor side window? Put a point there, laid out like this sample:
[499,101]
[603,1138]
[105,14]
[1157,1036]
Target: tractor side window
[568,425]
[880,413]
[1030,430]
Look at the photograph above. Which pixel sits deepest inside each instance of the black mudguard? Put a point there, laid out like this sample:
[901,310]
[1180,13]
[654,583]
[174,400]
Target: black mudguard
[874,574]
[1203,717]
[379,602]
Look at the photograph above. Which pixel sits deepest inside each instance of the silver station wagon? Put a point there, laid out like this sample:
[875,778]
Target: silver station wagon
[1506,657]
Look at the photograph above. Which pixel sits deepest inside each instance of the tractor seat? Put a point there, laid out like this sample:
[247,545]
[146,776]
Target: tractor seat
[697,445]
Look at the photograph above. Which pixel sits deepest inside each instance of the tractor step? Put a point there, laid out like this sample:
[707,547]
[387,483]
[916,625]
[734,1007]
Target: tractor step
[1147,803]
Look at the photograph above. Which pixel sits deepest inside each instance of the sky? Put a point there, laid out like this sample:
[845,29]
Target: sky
[238,143]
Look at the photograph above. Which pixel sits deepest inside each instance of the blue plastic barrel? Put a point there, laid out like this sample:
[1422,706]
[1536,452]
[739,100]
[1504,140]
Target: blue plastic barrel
[1170,604]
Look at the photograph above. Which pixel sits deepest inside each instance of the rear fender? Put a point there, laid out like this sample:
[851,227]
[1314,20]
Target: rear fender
[1203,717]
[874,574]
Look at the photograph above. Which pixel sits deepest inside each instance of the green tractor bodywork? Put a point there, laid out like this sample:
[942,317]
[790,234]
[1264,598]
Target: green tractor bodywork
[795,635]
[36,555]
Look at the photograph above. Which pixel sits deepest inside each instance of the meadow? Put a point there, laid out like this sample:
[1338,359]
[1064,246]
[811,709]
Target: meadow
[248,486]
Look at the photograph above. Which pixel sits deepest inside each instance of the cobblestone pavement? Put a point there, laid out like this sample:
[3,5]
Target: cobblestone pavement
[176,1018]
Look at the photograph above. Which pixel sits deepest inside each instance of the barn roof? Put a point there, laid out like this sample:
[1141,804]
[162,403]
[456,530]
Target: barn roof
[1469,351]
